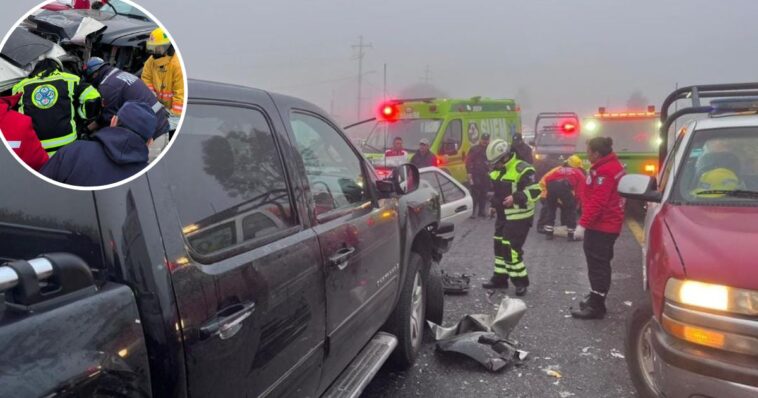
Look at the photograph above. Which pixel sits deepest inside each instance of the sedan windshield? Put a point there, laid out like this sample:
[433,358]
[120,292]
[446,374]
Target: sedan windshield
[720,167]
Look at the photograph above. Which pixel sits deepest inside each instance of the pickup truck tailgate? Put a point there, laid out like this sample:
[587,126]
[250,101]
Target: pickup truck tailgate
[82,345]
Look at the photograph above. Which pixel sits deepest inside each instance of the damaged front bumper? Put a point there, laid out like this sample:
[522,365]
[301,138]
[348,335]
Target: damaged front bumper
[442,239]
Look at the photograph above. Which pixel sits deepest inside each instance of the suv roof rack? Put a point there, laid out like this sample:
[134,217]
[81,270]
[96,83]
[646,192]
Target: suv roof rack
[695,93]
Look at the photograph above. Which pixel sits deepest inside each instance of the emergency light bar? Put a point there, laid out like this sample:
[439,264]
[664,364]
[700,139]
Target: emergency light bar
[726,105]
[603,114]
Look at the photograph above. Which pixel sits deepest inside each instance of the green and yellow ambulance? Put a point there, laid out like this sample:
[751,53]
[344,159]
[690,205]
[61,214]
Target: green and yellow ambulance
[634,134]
[452,126]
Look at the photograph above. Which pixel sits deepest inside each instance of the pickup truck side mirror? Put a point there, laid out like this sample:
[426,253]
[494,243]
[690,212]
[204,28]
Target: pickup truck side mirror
[640,187]
[404,180]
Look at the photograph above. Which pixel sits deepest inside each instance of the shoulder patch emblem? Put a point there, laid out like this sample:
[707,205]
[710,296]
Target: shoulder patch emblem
[45,96]
[600,180]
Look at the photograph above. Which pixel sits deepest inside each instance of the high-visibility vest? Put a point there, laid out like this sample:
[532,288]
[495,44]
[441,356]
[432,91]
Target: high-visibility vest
[512,174]
[54,102]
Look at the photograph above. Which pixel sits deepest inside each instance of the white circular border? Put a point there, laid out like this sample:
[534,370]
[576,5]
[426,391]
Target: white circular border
[157,159]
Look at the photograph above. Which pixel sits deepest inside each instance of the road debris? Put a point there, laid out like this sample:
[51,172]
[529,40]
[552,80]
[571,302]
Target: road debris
[485,338]
[628,303]
[552,372]
[455,284]
[616,354]
[566,394]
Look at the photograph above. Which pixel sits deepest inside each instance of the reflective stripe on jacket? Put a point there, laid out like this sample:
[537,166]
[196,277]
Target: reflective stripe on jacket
[165,78]
[517,178]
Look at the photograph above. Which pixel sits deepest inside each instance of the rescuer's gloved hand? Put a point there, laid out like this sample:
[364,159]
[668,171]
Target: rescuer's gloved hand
[579,233]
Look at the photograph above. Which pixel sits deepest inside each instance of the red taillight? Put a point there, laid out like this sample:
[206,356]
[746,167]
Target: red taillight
[439,161]
[383,173]
[568,127]
[389,112]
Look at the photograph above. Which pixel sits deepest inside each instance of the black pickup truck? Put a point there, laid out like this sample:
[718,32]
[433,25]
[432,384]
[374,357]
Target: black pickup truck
[261,256]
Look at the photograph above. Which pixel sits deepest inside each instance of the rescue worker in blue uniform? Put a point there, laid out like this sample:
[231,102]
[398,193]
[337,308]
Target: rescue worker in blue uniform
[516,192]
[117,87]
[112,154]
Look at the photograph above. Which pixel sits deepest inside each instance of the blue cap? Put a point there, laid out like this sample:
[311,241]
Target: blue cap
[93,65]
[138,117]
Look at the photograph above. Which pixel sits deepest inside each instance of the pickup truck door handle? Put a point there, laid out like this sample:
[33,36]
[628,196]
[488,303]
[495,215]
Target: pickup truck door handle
[228,322]
[461,209]
[341,257]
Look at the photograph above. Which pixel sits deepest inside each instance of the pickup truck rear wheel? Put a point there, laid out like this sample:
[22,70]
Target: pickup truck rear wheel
[435,297]
[408,318]
[639,350]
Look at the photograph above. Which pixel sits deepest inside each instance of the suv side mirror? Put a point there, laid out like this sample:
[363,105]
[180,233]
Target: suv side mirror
[640,187]
[404,180]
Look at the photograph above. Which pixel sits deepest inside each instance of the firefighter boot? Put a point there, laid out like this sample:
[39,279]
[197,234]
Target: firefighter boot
[520,291]
[497,281]
[595,308]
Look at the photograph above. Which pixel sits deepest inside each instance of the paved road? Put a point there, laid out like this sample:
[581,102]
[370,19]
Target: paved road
[586,353]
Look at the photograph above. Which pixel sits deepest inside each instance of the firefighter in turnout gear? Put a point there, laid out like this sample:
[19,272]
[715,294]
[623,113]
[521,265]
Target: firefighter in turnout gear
[163,74]
[58,102]
[516,191]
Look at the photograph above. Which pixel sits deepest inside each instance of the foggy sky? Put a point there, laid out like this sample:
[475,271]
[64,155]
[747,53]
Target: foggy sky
[564,55]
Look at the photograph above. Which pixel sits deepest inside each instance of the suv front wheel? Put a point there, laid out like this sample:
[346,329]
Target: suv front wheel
[407,320]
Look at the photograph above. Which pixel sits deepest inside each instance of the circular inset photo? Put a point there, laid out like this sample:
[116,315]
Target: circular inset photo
[92,92]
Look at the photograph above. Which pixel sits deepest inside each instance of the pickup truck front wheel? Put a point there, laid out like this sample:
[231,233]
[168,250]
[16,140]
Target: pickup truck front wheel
[640,358]
[407,320]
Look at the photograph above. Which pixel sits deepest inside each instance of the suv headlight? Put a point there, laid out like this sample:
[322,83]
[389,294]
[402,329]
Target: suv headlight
[712,296]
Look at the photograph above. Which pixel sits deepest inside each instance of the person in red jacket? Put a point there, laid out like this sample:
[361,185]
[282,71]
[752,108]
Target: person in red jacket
[600,225]
[565,188]
[18,131]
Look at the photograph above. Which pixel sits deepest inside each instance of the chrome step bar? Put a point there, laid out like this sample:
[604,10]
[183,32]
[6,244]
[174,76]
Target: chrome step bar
[9,278]
[361,370]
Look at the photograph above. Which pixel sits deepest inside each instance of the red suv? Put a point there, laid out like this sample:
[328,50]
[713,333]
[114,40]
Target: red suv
[697,335]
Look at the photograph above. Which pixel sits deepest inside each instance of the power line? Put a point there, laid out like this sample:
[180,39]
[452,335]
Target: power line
[360,47]
[427,75]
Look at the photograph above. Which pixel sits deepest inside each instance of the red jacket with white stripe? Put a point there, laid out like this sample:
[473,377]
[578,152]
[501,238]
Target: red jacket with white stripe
[18,131]
[603,207]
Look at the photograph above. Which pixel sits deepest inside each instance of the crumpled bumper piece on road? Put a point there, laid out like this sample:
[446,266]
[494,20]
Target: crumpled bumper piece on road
[484,338]
[455,284]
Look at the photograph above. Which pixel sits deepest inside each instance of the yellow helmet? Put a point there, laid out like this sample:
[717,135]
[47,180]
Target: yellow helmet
[574,161]
[158,41]
[720,179]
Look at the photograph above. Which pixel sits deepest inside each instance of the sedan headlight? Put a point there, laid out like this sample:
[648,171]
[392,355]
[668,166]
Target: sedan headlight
[712,296]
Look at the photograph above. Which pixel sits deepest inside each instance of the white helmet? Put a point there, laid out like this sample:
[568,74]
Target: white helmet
[497,149]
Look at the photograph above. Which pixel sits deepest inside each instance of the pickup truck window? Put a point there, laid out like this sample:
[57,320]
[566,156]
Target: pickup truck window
[228,183]
[720,167]
[333,169]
